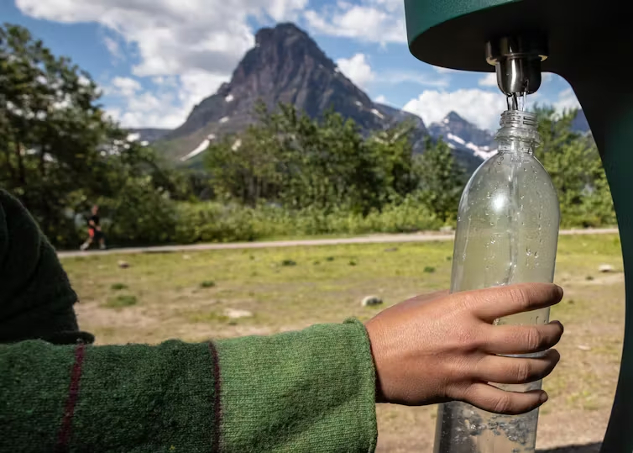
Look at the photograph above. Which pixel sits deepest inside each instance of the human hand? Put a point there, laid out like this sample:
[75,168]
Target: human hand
[440,347]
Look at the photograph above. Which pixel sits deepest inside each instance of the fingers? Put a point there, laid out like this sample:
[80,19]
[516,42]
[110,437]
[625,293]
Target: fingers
[492,303]
[499,401]
[514,370]
[522,339]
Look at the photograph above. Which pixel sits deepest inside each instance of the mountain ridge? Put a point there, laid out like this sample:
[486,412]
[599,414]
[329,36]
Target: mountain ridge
[459,133]
[287,66]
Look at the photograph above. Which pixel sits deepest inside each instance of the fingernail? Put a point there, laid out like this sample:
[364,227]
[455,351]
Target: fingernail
[560,291]
[557,322]
[543,397]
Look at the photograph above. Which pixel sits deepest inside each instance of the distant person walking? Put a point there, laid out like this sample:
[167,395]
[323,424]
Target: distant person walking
[94,231]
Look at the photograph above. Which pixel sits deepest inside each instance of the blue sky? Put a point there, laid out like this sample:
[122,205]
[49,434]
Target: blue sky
[155,59]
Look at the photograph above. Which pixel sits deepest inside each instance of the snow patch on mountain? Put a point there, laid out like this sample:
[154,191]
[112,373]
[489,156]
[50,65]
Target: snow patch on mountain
[455,138]
[378,114]
[200,148]
[462,135]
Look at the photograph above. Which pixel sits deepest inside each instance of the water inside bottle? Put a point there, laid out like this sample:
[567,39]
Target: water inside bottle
[507,233]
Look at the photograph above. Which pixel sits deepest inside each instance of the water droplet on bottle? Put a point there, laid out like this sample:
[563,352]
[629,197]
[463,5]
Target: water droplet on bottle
[528,252]
[498,162]
[535,254]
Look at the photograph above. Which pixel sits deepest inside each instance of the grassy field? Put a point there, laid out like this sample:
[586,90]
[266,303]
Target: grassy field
[197,295]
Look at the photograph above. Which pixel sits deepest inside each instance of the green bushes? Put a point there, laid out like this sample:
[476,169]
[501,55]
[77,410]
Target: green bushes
[214,222]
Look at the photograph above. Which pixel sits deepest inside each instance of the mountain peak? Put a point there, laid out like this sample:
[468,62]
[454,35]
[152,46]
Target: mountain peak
[460,133]
[280,32]
[281,55]
[285,66]
[454,116]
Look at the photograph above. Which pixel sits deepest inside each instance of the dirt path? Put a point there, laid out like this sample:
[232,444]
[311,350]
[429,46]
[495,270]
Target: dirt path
[373,239]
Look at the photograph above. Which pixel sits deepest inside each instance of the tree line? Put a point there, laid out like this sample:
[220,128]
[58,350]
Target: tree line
[298,162]
[287,174]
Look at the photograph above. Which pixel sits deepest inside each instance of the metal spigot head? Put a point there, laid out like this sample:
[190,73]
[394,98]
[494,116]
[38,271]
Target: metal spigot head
[517,60]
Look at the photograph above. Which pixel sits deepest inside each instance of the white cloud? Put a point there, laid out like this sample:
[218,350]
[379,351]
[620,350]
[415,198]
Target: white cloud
[357,69]
[286,9]
[567,100]
[190,41]
[381,100]
[123,86]
[172,36]
[147,110]
[113,47]
[489,80]
[165,107]
[480,107]
[380,21]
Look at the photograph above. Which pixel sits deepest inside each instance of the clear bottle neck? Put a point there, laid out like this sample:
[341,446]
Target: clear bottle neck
[518,132]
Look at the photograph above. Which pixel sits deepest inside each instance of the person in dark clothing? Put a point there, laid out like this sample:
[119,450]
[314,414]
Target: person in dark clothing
[94,231]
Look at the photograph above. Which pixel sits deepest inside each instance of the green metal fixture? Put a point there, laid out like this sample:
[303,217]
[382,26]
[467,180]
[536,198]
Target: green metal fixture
[588,44]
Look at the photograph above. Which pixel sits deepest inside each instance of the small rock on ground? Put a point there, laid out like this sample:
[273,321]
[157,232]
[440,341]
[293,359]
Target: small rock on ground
[233,313]
[123,264]
[606,268]
[371,300]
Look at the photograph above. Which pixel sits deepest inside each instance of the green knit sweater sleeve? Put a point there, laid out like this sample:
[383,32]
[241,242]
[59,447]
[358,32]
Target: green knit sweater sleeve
[302,391]
[309,391]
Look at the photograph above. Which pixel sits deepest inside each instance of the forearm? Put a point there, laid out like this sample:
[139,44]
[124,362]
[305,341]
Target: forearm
[312,390]
[303,391]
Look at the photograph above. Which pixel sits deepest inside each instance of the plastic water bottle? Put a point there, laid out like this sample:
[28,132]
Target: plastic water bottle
[507,233]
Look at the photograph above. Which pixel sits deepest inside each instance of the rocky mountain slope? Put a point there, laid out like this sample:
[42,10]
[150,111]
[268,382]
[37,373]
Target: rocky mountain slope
[462,135]
[285,66]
